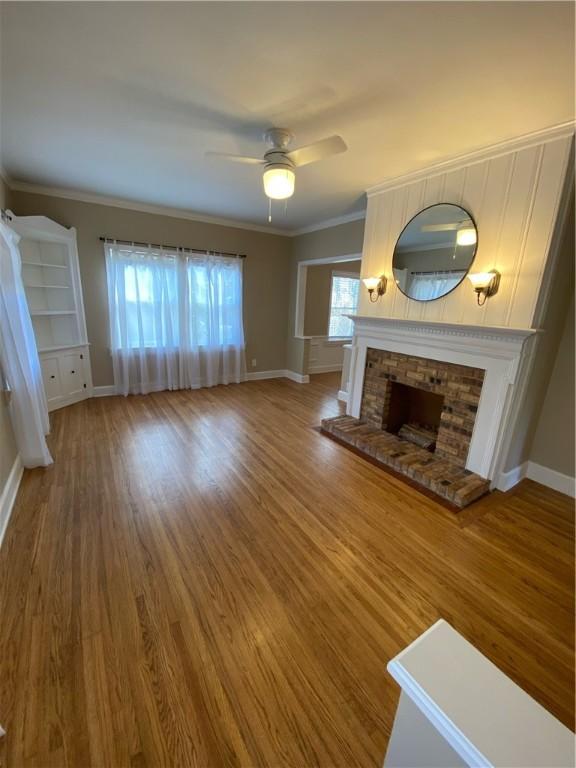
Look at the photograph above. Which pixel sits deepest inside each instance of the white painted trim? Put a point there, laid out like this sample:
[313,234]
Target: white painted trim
[8,495]
[481,713]
[261,375]
[496,350]
[299,378]
[507,480]
[301,279]
[179,213]
[116,202]
[108,390]
[343,395]
[331,259]
[515,144]
[326,368]
[551,478]
[280,374]
[327,223]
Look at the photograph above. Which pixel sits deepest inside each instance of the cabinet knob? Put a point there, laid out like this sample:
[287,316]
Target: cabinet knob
[72,371]
[52,377]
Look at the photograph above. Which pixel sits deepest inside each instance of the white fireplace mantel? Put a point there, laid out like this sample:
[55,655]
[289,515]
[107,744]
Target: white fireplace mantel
[496,350]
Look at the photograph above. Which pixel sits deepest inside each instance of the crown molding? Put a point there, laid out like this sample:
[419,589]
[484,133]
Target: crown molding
[116,202]
[356,216]
[515,144]
[5,177]
[178,213]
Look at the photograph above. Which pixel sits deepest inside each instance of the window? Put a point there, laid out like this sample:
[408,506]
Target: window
[343,301]
[175,318]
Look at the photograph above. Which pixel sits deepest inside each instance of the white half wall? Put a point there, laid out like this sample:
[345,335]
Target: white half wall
[326,354]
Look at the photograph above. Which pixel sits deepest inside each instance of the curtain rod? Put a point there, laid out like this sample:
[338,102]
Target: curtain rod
[173,248]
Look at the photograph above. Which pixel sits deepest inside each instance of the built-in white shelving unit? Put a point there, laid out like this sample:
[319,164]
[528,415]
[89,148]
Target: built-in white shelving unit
[51,277]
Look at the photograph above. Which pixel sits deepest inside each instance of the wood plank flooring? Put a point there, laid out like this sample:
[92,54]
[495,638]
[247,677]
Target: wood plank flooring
[202,579]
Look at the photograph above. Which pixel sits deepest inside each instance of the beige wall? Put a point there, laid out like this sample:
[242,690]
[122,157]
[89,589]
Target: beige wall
[318,290]
[8,450]
[553,444]
[266,270]
[342,240]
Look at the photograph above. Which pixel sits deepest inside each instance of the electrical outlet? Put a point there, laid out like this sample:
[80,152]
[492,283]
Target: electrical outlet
[253,362]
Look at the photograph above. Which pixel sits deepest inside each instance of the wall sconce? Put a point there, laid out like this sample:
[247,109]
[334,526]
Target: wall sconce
[375,284]
[485,284]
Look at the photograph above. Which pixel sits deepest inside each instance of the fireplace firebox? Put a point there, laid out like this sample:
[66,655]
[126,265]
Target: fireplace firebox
[413,414]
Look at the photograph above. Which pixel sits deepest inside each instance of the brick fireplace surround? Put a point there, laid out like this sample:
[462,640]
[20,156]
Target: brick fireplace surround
[443,472]
[459,385]
[475,371]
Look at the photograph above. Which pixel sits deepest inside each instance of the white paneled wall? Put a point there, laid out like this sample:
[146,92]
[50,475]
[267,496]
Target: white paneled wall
[513,192]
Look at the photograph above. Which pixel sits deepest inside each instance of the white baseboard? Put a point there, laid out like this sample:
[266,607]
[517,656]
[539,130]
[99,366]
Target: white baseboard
[110,389]
[299,378]
[508,480]
[540,474]
[260,375]
[281,374]
[8,495]
[326,368]
[343,395]
[551,478]
[106,391]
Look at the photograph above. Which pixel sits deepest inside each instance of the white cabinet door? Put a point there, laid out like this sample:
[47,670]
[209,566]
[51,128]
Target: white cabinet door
[51,377]
[66,376]
[72,374]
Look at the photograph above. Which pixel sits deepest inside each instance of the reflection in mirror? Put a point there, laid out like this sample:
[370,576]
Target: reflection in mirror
[434,252]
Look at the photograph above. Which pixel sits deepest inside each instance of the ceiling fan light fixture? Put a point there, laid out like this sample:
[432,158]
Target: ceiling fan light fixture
[466,236]
[279,181]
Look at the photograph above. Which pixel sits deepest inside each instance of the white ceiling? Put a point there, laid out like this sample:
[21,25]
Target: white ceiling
[123,99]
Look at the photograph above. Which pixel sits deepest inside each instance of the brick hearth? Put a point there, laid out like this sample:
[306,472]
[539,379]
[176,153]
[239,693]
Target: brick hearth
[438,474]
[442,471]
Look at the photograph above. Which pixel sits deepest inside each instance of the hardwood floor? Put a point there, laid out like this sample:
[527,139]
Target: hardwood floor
[203,579]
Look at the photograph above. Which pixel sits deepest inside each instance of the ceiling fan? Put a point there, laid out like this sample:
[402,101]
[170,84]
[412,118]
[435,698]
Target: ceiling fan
[279,162]
[465,235]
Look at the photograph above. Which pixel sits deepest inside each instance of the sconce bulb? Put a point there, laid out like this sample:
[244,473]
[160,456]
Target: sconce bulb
[485,284]
[375,285]
[480,279]
[371,283]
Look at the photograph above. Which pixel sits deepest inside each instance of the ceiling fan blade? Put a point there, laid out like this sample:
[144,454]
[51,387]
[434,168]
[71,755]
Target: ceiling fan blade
[311,153]
[439,227]
[235,158]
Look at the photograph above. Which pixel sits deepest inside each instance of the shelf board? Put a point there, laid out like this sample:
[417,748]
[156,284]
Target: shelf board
[39,264]
[42,312]
[30,285]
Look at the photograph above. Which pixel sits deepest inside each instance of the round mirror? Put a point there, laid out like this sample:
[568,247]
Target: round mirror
[434,252]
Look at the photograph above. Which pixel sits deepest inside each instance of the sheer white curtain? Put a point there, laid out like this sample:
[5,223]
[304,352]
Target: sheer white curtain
[19,358]
[433,284]
[175,319]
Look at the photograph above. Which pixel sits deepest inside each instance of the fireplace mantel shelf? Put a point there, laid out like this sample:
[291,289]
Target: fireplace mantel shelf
[445,329]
